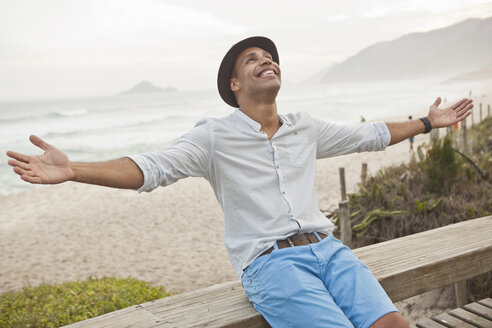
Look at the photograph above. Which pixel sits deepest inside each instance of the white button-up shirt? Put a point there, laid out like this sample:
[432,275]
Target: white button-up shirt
[266,188]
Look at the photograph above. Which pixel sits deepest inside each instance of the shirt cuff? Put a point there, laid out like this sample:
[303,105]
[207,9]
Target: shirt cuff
[383,133]
[142,165]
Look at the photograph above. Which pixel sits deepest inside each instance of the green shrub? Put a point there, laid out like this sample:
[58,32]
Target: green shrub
[54,305]
[441,166]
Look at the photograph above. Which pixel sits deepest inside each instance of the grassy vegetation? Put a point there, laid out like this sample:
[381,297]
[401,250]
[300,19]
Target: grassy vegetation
[54,305]
[440,186]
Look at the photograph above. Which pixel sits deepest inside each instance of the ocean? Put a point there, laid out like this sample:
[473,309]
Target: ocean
[103,128]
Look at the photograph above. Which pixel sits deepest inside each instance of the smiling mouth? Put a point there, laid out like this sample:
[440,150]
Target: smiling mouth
[267,72]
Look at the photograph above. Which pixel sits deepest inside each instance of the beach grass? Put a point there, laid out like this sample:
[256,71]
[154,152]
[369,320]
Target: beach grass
[54,305]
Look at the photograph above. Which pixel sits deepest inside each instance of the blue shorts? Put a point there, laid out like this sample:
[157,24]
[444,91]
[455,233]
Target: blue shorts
[317,285]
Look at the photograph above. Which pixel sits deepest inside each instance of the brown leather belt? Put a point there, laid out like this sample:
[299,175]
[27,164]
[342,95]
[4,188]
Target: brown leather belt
[300,239]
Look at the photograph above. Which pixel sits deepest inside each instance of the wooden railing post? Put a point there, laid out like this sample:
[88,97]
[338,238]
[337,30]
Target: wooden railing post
[343,191]
[363,175]
[473,119]
[345,226]
[460,293]
[344,219]
[465,142]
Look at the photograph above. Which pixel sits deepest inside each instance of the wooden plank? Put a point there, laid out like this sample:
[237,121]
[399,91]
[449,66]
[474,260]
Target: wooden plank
[433,259]
[471,318]
[214,315]
[130,317]
[250,323]
[434,238]
[428,323]
[200,296]
[487,302]
[451,322]
[227,320]
[480,310]
[216,306]
[425,248]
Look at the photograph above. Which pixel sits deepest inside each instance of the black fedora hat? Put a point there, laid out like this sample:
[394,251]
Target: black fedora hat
[227,65]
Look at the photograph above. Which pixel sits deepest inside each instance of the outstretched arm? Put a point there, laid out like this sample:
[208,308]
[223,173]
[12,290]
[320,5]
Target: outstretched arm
[54,167]
[438,118]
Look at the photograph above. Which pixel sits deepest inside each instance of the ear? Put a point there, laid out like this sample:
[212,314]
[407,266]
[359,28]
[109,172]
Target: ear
[234,85]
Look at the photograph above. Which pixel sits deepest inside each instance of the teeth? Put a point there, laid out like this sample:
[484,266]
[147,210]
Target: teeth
[267,72]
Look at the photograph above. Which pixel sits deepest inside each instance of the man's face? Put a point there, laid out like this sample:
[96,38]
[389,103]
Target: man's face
[255,71]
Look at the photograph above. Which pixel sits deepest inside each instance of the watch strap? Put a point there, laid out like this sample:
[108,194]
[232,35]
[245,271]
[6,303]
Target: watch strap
[427,124]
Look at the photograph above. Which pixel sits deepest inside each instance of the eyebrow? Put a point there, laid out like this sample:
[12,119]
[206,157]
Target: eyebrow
[251,54]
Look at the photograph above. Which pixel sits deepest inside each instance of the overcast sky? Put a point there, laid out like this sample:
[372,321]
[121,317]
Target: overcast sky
[66,48]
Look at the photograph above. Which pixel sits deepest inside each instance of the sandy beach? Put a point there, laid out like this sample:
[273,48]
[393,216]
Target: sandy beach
[171,237]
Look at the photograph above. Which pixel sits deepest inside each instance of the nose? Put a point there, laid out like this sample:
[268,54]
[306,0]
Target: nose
[266,60]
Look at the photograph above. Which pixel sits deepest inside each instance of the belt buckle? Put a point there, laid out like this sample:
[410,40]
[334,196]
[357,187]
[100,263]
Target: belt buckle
[290,242]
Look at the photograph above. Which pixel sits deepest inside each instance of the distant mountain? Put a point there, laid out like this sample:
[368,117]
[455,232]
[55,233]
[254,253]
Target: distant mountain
[443,53]
[147,87]
[318,76]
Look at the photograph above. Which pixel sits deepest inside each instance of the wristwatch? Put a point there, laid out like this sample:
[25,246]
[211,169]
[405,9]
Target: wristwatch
[427,124]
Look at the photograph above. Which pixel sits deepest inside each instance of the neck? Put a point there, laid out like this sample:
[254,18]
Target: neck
[265,114]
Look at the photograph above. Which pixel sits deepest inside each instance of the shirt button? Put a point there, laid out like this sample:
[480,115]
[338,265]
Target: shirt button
[278,167]
[283,192]
[292,215]
[295,132]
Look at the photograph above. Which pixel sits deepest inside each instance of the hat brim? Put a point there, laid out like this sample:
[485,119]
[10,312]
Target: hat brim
[227,65]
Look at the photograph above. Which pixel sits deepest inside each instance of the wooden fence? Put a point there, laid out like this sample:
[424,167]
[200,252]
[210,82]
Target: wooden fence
[405,267]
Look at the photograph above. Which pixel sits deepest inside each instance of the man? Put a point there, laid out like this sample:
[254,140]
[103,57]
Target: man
[261,166]
[411,139]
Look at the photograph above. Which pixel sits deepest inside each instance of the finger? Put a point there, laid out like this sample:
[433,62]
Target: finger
[462,105]
[37,141]
[465,115]
[22,165]
[464,109]
[466,103]
[19,156]
[456,105]
[20,171]
[30,179]
[437,102]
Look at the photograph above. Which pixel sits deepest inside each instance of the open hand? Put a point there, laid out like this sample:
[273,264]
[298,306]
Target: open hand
[448,116]
[50,168]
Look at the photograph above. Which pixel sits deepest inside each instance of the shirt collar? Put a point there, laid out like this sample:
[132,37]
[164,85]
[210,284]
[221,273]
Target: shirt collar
[257,126]
[284,119]
[252,123]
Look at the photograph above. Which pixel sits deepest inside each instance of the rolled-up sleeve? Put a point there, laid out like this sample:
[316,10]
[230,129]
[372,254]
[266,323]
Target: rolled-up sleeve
[337,139]
[189,156]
